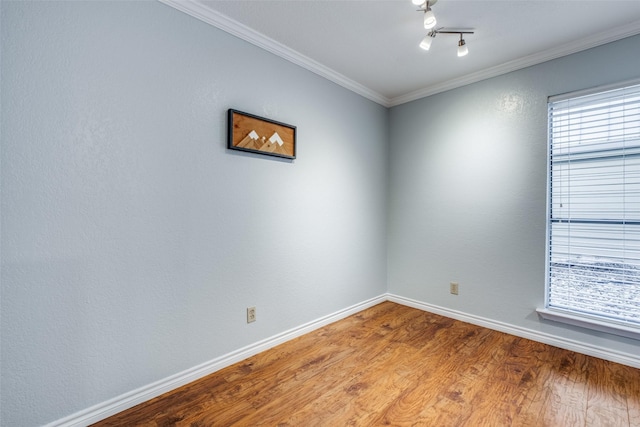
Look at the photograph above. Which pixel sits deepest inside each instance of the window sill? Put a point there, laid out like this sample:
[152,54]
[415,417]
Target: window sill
[562,316]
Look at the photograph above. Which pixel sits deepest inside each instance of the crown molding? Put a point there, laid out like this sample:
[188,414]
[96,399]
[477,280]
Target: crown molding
[228,25]
[224,23]
[585,43]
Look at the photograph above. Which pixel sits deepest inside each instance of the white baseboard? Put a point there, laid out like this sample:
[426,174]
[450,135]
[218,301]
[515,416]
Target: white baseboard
[128,400]
[628,359]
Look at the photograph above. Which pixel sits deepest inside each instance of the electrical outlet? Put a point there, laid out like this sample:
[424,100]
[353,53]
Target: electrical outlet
[453,288]
[251,314]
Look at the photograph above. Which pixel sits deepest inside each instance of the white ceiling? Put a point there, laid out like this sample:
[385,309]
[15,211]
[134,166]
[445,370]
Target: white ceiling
[371,46]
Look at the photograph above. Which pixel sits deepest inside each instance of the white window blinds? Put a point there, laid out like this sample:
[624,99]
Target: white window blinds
[594,207]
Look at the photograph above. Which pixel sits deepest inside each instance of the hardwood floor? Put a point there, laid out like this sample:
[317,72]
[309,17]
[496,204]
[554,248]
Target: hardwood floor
[395,365]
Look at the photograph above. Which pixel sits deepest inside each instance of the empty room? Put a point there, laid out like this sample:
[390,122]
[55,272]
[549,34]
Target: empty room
[320,213]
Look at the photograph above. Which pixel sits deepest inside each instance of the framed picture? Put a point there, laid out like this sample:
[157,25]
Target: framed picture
[255,134]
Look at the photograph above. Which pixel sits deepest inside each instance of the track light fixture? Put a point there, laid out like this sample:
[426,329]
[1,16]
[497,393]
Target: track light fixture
[462,45]
[430,24]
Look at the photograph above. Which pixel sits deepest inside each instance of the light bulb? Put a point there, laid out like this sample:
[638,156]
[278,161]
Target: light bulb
[462,47]
[429,19]
[426,42]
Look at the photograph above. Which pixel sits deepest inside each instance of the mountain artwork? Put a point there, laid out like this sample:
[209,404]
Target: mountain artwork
[264,136]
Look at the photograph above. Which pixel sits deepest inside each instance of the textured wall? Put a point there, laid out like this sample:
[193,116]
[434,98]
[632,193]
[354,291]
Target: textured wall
[132,239]
[468,191]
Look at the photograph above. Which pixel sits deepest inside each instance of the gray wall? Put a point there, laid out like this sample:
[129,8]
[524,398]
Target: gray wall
[132,239]
[468,192]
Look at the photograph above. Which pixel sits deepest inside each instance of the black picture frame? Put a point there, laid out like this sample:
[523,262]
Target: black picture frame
[254,134]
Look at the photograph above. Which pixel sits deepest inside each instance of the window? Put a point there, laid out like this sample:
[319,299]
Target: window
[593,263]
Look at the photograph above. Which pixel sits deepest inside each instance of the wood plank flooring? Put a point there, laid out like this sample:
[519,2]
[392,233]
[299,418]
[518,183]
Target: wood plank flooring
[395,365]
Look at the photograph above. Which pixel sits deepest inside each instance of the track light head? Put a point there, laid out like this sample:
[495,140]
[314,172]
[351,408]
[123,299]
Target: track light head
[422,3]
[463,50]
[427,40]
[429,18]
